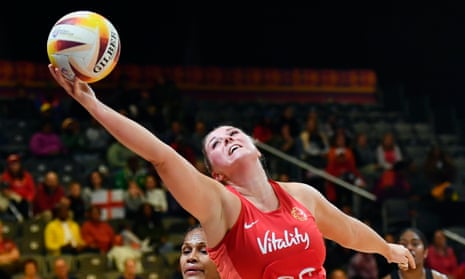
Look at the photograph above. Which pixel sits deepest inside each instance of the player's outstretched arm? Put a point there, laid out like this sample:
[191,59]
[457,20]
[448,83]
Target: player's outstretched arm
[347,230]
[197,193]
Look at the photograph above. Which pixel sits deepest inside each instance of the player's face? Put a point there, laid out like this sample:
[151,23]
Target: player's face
[194,260]
[415,245]
[225,145]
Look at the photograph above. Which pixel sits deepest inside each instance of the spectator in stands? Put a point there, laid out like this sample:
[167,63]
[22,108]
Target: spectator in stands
[178,138]
[196,138]
[62,234]
[46,143]
[167,93]
[313,143]
[117,155]
[148,225]
[130,270]
[440,171]
[148,111]
[286,143]
[18,185]
[460,274]
[9,256]
[415,176]
[96,233]
[127,245]
[341,164]
[72,136]
[289,117]
[263,129]
[365,156]
[96,137]
[49,107]
[416,242]
[95,185]
[49,193]
[330,125]
[313,148]
[441,256]
[439,165]
[155,194]
[133,198]
[61,270]
[388,152]
[30,269]
[77,202]
[363,265]
[134,170]
[393,183]
[182,145]
[338,273]
[176,130]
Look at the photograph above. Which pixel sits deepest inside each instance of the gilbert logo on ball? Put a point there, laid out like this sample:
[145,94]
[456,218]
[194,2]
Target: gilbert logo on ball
[85,45]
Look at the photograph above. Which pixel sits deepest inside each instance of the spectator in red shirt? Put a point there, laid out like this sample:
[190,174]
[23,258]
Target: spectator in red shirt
[49,193]
[393,183]
[19,185]
[441,256]
[9,257]
[96,233]
[263,129]
[341,164]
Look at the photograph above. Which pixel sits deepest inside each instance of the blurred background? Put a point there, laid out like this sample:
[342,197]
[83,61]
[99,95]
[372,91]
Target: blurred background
[358,77]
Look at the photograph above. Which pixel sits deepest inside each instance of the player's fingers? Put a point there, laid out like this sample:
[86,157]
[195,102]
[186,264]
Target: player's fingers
[403,266]
[411,261]
[58,76]
[52,70]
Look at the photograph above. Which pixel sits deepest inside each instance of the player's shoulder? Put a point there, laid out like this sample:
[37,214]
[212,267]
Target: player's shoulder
[298,187]
[294,185]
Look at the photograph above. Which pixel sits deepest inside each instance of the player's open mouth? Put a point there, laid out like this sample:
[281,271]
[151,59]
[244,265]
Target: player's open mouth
[233,148]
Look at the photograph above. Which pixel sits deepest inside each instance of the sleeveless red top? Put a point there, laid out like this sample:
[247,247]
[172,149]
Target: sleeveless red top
[284,243]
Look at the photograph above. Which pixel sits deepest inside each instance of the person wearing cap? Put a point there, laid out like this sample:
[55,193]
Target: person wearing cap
[71,136]
[18,185]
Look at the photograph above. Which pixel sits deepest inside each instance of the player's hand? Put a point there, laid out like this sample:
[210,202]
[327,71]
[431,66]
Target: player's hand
[76,89]
[401,256]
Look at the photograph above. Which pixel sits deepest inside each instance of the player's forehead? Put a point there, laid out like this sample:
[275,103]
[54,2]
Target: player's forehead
[410,236]
[195,237]
[220,131]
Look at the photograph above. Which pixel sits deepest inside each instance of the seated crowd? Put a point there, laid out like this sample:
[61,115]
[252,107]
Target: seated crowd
[79,213]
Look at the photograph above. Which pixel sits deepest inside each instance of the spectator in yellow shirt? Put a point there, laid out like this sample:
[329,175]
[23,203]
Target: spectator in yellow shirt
[63,234]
